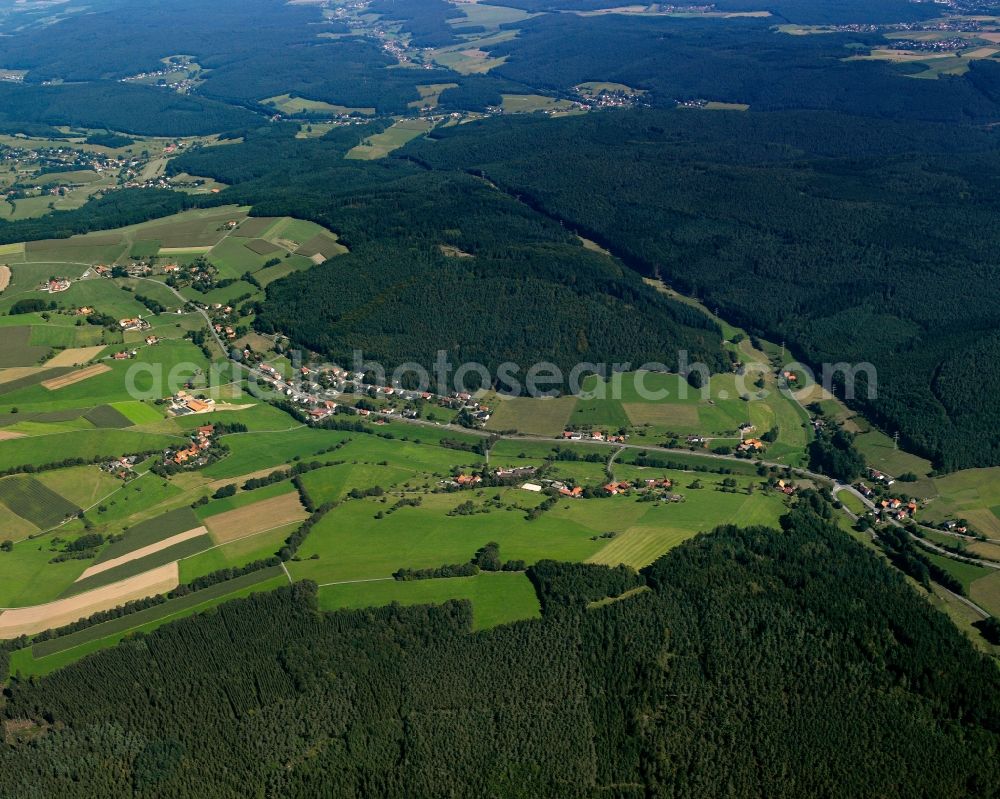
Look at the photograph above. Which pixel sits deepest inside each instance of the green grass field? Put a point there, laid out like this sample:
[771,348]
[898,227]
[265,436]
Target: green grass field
[251,452]
[107,416]
[352,544]
[16,348]
[333,482]
[81,485]
[160,371]
[381,144]
[881,453]
[497,598]
[965,573]
[542,417]
[236,553]
[28,576]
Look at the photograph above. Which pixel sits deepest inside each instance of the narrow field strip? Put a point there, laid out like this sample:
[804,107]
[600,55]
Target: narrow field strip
[141,553]
[34,619]
[75,377]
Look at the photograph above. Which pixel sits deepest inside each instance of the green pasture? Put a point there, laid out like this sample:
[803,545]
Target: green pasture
[496,597]
[350,543]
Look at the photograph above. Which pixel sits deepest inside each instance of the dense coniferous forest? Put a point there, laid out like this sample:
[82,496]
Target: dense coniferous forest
[849,238]
[444,262]
[760,662]
[119,106]
[815,12]
[743,62]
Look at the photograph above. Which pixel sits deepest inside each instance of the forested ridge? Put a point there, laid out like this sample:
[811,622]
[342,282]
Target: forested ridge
[852,239]
[739,61]
[761,662]
[443,262]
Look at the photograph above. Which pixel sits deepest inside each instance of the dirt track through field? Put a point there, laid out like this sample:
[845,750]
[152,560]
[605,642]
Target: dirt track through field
[75,377]
[74,356]
[142,552]
[255,518]
[34,619]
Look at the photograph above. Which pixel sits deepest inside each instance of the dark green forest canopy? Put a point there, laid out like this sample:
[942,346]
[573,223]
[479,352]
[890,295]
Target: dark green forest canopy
[141,110]
[761,663]
[852,239]
[815,12]
[530,291]
[740,61]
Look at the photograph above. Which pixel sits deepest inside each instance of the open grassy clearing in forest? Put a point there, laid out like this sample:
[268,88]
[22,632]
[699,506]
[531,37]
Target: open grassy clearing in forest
[469,58]
[530,103]
[972,494]
[294,106]
[398,134]
[430,94]
[496,597]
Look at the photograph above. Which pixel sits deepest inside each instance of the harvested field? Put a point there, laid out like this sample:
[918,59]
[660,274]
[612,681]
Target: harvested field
[262,247]
[4,276]
[255,518]
[75,377]
[185,250]
[321,245]
[151,531]
[74,356]
[105,416]
[34,619]
[22,377]
[16,348]
[13,373]
[132,568]
[142,552]
[254,226]
[32,500]
[6,435]
[662,413]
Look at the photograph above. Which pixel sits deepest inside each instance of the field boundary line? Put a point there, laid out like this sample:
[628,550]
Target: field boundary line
[363,580]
